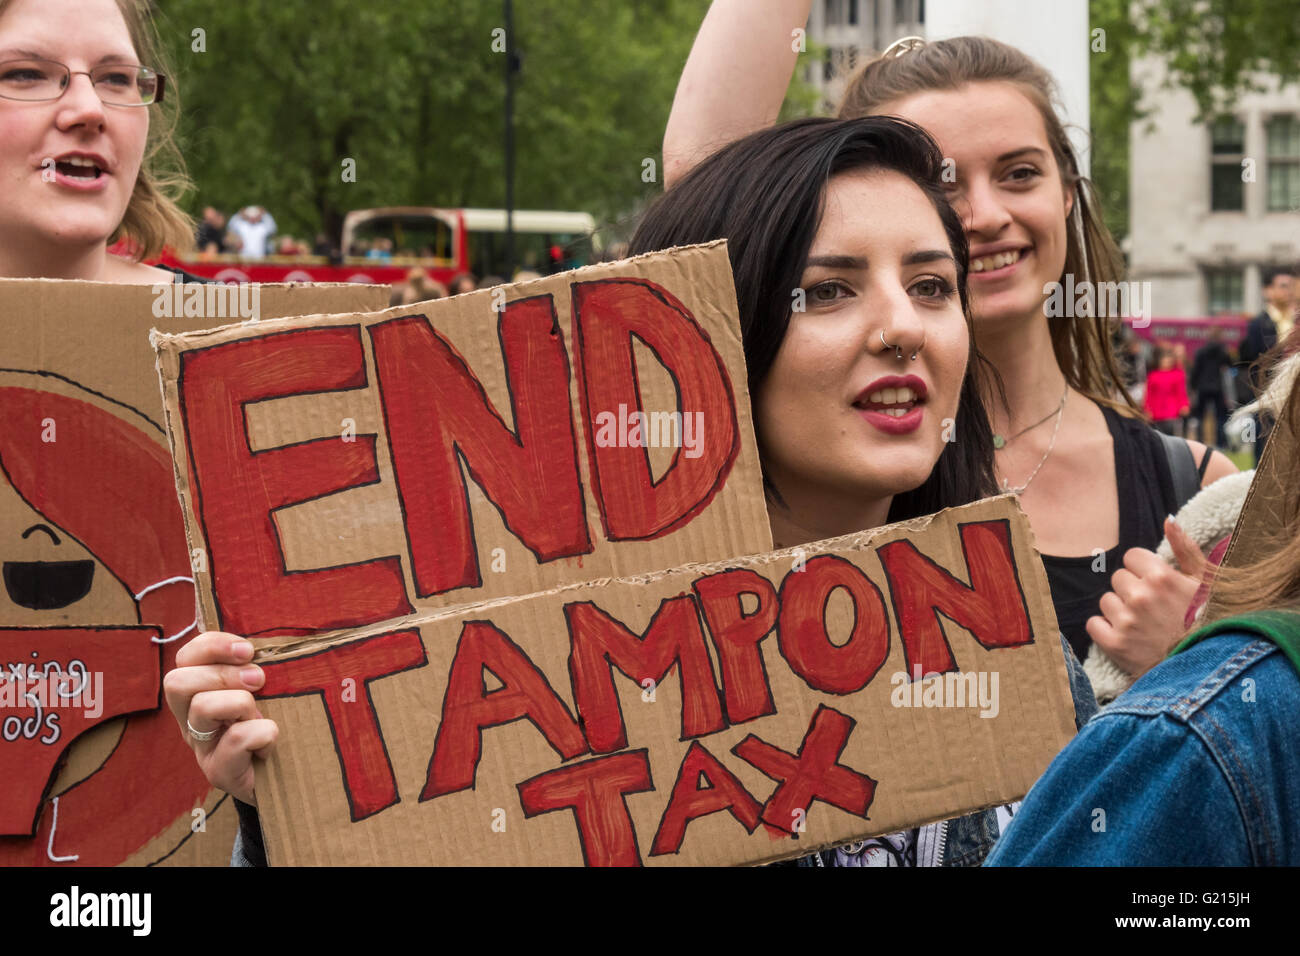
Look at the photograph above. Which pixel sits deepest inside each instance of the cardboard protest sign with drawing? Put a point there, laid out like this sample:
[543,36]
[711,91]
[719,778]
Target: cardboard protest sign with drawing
[503,621]
[97,593]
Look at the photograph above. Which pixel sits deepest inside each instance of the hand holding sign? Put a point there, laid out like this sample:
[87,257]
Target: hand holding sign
[211,689]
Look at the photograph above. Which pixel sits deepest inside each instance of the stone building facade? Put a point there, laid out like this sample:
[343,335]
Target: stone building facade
[1212,205]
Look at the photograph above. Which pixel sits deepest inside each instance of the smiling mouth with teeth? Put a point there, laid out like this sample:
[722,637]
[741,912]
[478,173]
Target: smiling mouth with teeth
[894,402]
[75,167]
[999,261]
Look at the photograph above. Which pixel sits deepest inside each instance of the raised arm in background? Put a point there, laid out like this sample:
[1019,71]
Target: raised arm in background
[735,79]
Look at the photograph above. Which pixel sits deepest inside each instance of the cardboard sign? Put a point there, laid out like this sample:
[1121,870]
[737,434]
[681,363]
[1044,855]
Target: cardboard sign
[446,529]
[817,696]
[98,592]
[346,470]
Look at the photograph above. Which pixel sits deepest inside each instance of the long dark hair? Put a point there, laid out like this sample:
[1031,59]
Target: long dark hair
[764,195]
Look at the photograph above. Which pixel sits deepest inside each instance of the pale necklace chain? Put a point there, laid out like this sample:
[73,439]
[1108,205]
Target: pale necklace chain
[1060,415]
[999,442]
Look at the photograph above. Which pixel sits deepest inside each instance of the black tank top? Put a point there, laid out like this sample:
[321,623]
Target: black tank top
[1146,495]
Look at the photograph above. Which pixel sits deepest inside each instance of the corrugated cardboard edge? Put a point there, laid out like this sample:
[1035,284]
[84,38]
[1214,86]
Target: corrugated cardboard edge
[293,647]
[182,341]
[205,614]
[1261,522]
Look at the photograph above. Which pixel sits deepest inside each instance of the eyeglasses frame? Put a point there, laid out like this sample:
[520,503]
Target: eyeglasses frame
[157,98]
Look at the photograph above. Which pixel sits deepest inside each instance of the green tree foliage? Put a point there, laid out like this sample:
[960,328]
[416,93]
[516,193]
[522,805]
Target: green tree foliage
[1215,49]
[412,90]
[1114,106]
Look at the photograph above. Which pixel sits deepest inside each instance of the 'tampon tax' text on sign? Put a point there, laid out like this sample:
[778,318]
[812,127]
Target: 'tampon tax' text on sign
[447,527]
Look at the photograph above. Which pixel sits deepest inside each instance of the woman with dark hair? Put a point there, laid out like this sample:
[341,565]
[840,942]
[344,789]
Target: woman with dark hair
[1095,481]
[802,207]
[850,274]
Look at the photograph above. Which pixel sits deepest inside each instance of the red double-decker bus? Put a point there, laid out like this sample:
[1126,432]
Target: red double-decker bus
[382,245]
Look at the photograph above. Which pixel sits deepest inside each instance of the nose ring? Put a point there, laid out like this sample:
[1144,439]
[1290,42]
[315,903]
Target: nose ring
[898,349]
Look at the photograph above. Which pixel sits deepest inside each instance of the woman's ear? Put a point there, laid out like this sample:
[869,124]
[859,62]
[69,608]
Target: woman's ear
[1070,191]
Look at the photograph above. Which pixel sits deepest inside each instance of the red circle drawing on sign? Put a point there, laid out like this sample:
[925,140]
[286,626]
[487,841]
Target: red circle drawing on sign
[107,483]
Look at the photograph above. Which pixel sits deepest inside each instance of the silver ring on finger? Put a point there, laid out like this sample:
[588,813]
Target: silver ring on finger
[201,735]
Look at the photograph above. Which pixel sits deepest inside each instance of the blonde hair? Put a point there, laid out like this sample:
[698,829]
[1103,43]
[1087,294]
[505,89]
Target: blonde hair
[153,218]
[1083,347]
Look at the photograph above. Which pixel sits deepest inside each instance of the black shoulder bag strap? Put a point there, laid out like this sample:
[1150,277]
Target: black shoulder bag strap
[1182,468]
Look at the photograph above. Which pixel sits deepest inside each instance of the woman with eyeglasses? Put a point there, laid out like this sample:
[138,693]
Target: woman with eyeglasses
[87,159]
[87,155]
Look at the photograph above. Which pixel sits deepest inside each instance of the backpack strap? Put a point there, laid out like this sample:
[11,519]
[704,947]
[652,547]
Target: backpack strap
[1205,463]
[1280,627]
[1182,468]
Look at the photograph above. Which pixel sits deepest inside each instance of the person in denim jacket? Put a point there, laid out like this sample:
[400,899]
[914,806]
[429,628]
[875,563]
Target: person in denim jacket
[1197,763]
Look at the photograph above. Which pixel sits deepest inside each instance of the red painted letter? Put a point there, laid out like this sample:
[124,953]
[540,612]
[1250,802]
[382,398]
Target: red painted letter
[689,801]
[437,414]
[599,644]
[801,631]
[992,607]
[814,774]
[607,315]
[596,791]
[236,490]
[737,636]
[468,708]
[358,739]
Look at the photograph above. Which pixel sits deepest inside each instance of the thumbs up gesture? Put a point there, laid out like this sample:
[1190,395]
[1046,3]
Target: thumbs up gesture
[1142,616]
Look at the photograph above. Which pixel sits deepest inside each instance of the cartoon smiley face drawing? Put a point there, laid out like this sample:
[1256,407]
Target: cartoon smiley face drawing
[49,576]
[47,585]
[95,574]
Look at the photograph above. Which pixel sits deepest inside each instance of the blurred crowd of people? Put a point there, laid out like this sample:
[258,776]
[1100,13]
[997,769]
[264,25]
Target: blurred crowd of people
[251,233]
[1192,399]
[419,286]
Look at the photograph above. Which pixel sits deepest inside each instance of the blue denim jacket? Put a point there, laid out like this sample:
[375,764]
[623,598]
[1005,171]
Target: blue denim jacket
[966,841]
[1196,764]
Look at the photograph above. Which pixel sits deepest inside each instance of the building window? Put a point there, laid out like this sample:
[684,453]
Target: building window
[1226,291]
[900,13]
[1283,164]
[920,11]
[835,13]
[1227,150]
[853,13]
